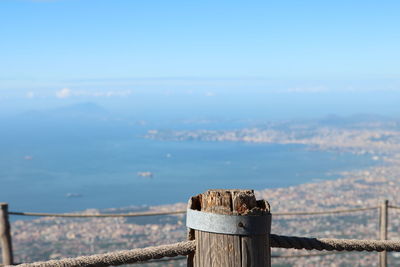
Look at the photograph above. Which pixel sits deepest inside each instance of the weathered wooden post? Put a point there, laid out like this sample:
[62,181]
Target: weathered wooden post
[383,230]
[231,229]
[5,235]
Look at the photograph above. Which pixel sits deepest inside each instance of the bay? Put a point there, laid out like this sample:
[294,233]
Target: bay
[72,175]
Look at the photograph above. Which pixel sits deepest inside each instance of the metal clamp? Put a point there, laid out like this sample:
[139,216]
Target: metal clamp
[228,224]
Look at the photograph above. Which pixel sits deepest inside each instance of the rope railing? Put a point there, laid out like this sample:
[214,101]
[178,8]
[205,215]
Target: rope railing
[83,215]
[334,246]
[326,212]
[276,256]
[187,247]
[121,257]
[157,213]
[181,258]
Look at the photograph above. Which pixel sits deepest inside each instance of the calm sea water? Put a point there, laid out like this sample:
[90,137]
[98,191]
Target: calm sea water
[102,172]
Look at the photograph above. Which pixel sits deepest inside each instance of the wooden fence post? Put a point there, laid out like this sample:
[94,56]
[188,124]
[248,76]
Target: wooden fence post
[234,229]
[5,235]
[383,229]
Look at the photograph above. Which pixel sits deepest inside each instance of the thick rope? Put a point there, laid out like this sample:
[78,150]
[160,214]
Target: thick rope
[185,248]
[330,244]
[83,215]
[121,257]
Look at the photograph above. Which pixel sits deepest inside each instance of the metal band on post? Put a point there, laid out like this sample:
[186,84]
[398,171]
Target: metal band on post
[228,224]
[231,228]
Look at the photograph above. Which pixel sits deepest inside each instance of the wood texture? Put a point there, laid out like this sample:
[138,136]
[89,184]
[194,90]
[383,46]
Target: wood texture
[383,225]
[222,250]
[192,204]
[5,235]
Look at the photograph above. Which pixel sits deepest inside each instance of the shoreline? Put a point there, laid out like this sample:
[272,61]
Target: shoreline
[72,237]
[365,187]
[362,188]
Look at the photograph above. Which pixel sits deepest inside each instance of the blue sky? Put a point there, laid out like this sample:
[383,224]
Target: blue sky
[86,49]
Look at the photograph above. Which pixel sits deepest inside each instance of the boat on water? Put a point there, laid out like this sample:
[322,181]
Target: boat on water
[73,195]
[145,174]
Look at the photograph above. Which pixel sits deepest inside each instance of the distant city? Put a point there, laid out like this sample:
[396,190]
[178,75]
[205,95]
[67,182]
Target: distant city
[377,138]
[120,106]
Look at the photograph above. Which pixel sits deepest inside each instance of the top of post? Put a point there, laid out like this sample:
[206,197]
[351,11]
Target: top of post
[230,202]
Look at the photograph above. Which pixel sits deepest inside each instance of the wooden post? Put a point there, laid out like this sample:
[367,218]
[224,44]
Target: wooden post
[5,235]
[383,226]
[231,250]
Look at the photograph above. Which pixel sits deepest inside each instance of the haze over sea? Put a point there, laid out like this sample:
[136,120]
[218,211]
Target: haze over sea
[72,158]
[179,65]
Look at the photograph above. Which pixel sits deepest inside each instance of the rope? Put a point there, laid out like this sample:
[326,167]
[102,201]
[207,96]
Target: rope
[138,214]
[121,257]
[187,247]
[324,212]
[331,244]
[75,215]
[394,207]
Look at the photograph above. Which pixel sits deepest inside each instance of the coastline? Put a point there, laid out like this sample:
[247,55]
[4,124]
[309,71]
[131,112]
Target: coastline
[192,168]
[358,188]
[362,188]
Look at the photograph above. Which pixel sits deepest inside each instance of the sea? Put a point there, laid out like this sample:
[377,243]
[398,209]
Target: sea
[63,163]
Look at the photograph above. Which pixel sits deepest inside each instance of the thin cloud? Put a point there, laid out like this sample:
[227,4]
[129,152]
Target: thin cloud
[315,89]
[109,93]
[64,93]
[209,94]
[30,94]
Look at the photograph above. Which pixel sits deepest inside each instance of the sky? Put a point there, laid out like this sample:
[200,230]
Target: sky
[67,51]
